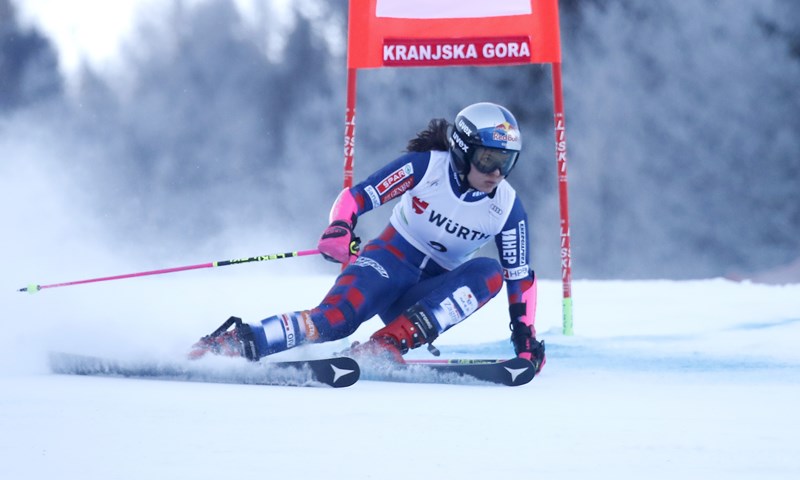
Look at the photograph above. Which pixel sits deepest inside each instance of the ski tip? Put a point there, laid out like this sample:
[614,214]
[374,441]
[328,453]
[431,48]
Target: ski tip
[32,288]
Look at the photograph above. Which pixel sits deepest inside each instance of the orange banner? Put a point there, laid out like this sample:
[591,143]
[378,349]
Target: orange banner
[413,33]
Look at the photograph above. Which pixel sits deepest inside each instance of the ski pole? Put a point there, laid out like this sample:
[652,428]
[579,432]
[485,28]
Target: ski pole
[221,263]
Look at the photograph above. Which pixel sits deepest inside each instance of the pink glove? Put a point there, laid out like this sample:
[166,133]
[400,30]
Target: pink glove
[338,242]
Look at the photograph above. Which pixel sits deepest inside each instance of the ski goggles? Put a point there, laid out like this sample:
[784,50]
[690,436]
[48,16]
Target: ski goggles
[487,160]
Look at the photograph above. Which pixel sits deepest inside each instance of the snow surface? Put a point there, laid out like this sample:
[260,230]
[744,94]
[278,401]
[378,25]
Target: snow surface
[663,379]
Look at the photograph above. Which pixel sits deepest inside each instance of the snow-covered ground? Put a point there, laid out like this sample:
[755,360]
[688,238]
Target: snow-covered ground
[663,379]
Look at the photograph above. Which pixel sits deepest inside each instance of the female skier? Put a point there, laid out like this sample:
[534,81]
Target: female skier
[418,275]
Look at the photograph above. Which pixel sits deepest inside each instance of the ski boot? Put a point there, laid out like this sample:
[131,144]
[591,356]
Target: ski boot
[375,349]
[410,330]
[239,342]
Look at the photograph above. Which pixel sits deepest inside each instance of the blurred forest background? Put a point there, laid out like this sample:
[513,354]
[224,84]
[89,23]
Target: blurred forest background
[221,130]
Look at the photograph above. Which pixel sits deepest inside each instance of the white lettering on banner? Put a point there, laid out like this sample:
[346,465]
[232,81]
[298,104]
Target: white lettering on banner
[506,50]
[410,53]
[466,300]
[477,51]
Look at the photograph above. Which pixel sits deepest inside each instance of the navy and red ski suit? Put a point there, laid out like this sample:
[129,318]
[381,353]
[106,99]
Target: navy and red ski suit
[423,257]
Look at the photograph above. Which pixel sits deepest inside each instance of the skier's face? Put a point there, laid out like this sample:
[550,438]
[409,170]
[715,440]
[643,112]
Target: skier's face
[484,182]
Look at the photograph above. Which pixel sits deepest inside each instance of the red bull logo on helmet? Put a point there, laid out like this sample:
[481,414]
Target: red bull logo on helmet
[505,132]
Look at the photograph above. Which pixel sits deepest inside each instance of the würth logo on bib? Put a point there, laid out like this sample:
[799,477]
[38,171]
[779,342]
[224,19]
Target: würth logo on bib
[456,51]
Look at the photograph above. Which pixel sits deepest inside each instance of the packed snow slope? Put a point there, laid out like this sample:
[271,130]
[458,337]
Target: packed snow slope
[189,151]
[662,379]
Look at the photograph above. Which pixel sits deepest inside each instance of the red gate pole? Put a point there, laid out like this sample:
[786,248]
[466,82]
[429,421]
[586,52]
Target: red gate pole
[350,128]
[561,159]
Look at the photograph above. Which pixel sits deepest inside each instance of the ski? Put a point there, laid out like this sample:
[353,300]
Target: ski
[337,372]
[513,372]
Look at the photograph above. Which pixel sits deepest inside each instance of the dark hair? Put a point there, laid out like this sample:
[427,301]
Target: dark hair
[432,138]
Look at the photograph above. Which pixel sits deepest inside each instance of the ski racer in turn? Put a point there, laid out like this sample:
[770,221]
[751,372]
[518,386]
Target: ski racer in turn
[419,275]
